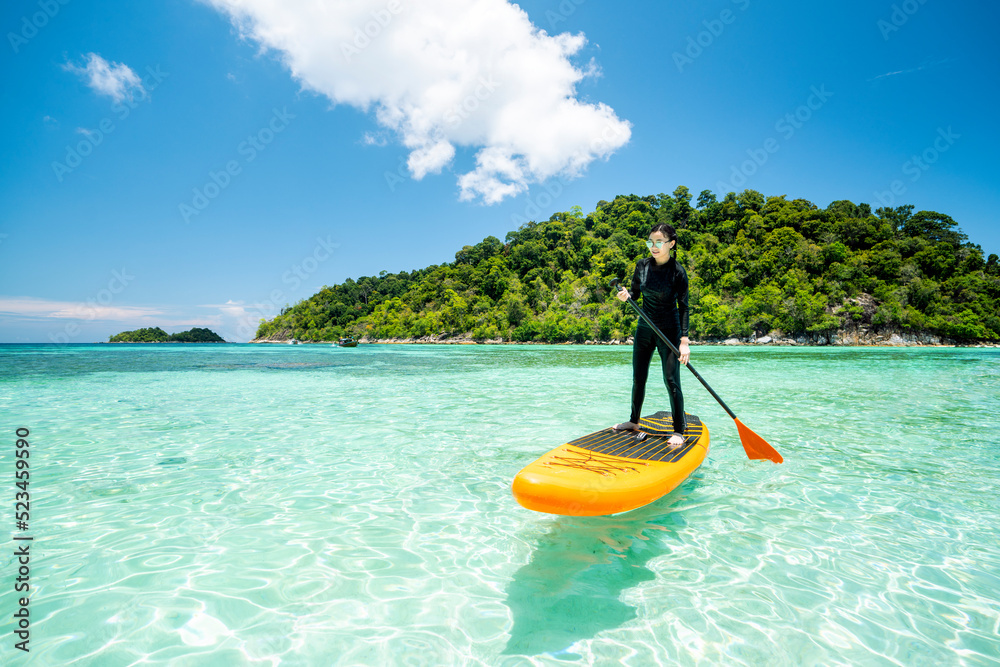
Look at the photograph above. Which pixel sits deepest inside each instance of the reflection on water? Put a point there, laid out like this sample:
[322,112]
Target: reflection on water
[571,588]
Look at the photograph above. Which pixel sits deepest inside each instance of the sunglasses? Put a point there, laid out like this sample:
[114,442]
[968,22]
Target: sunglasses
[658,244]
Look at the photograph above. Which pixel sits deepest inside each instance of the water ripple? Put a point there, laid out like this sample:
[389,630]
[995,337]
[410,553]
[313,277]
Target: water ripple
[242,505]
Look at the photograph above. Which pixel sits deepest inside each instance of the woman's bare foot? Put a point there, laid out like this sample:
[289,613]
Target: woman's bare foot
[625,426]
[676,440]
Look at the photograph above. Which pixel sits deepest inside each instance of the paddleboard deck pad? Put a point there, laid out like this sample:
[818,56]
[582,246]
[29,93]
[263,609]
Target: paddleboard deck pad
[610,471]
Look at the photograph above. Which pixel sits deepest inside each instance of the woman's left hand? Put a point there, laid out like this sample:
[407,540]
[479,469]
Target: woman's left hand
[685,352]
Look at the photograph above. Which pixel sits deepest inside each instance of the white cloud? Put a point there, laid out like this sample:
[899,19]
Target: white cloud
[926,65]
[374,139]
[44,308]
[116,80]
[230,308]
[442,74]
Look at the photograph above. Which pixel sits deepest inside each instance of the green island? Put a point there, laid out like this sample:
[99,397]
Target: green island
[760,269]
[158,335]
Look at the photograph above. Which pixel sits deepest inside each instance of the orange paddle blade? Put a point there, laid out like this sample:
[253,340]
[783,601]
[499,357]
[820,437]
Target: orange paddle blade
[756,447]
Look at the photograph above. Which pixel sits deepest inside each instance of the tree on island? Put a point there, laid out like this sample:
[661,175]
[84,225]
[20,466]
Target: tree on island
[197,335]
[755,264]
[153,335]
[158,335]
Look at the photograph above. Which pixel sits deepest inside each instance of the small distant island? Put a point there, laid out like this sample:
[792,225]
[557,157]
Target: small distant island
[158,335]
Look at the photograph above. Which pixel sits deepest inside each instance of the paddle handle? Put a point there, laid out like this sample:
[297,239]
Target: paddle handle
[673,348]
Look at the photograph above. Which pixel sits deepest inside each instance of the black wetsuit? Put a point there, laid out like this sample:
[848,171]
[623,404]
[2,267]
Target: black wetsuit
[664,291]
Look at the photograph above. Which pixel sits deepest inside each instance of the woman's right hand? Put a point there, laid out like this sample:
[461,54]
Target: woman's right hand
[623,294]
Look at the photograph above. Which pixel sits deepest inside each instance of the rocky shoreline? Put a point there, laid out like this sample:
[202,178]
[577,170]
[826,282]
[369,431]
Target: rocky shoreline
[840,338]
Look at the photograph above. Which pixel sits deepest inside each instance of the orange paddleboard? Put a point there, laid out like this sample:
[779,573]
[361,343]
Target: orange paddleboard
[612,471]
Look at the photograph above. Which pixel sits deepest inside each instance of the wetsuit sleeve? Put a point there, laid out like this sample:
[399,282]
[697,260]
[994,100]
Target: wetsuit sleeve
[636,289]
[681,289]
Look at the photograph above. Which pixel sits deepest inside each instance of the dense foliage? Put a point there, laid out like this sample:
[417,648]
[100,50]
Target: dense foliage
[158,335]
[755,264]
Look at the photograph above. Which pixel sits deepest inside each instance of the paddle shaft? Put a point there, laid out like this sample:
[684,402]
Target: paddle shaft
[674,349]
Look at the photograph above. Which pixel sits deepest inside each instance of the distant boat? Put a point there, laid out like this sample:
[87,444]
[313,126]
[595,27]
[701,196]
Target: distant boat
[346,342]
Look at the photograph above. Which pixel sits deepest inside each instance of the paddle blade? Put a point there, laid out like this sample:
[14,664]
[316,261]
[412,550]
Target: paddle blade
[755,446]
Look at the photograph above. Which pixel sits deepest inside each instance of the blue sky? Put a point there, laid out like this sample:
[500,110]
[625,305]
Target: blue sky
[182,164]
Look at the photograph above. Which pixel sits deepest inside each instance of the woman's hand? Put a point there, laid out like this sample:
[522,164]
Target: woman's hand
[685,351]
[623,294]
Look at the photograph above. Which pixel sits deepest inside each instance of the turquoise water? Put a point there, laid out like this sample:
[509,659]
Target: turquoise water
[307,505]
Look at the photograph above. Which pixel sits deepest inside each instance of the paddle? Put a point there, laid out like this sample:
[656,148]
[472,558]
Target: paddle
[754,445]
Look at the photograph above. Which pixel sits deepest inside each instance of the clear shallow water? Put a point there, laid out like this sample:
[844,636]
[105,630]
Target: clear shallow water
[306,505]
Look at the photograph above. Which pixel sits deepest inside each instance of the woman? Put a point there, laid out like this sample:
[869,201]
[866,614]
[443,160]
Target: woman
[663,285]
